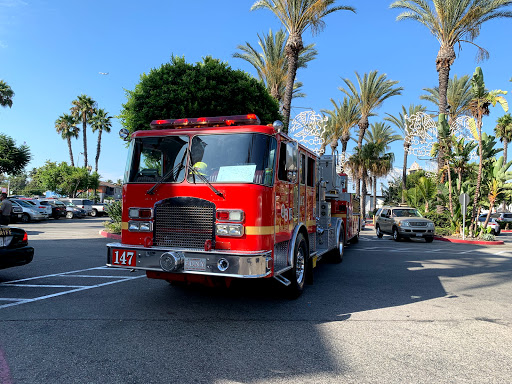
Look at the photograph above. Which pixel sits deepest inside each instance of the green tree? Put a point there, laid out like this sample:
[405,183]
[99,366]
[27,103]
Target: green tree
[380,136]
[83,109]
[373,90]
[297,16]
[460,158]
[482,100]
[342,118]
[208,88]
[66,180]
[100,122]
[503,130]
[13,159]
[272,64]
[458,96]
[66,127]
[498,184]
[451,22]
[17,183]
[6,94]
[406,128]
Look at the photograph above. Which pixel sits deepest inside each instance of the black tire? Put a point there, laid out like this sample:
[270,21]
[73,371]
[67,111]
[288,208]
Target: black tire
[337,254]
[396,235]
[94,212]
[378,231]
[69,215]
[429,239]
[297,274]
[25,218]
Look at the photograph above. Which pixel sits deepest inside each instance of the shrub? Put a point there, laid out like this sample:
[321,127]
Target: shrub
[488,237]
[115,211]
[442,220]
[112,227]
[443,231]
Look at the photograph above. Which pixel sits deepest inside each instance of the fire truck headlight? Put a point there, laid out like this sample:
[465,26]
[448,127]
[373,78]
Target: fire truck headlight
[235,230]
[145,226]
[222,229]
[133,226]
[230,215]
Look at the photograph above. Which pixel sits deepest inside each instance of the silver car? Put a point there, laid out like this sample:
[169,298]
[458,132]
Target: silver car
[28,214]
[403,222]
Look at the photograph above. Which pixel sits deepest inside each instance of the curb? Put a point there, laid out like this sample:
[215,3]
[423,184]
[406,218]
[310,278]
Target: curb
[110,235]
[477,242]
[506,231]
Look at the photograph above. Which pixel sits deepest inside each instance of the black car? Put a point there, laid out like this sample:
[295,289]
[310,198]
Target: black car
[14,249]
[58,208]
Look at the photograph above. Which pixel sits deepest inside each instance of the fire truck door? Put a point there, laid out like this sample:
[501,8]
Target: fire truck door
[302,200]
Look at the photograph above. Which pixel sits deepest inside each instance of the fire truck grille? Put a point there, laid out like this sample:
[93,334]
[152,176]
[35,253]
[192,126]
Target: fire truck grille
[184,222]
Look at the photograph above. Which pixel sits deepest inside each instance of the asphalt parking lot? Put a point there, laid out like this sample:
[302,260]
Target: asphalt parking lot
[391,312]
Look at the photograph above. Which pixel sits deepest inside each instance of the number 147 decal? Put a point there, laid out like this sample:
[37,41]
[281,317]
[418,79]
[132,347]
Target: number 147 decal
[123,257]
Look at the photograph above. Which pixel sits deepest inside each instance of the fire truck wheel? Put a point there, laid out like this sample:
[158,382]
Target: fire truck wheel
[300,268]
[337,253]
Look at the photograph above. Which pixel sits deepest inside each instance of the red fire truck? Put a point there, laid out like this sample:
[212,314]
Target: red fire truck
[214,199]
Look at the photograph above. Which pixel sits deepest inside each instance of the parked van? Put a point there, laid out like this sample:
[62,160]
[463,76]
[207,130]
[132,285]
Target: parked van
[85,204]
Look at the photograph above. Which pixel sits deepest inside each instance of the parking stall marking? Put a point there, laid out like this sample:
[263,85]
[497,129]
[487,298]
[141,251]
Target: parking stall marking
[70,288]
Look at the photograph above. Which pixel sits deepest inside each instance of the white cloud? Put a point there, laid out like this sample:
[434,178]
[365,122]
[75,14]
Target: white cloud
[2,44]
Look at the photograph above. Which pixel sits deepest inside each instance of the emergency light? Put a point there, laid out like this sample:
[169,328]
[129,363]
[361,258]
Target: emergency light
[206,122]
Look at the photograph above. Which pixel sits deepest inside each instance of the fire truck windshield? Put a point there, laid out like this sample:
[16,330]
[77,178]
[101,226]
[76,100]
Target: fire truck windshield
[153,158]
[232,158]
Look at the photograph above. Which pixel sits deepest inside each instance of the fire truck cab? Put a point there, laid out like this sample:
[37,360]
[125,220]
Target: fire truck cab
[218,198]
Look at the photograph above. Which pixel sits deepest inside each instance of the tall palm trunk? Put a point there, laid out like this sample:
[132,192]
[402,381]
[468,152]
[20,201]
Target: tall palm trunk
[293,48]
[84,131]
[343,154]
[505,148]
[374,193]
[445,58]
[70,151]
[450,191]
[363,126]
[404,172]
[363,196]
[98,149]
[479,176]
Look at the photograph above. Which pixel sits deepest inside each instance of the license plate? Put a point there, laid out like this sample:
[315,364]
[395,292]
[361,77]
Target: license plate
[124,257]
[193,264]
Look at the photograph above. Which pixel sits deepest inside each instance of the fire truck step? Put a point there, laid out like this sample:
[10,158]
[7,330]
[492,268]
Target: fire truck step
[282,280]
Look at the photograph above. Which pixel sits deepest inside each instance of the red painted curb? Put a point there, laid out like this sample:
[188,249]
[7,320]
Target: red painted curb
[477,242]
[109,235]
[506,231]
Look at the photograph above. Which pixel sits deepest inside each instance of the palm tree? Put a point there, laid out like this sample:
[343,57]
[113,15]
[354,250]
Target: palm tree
[460,158]
[297,16]
[83,109]
[452,22]
[66,127]
[100,122]
[427,190]
[482,99]
[503,130]
[342,118]
[380,136]
[404,125]
[272,64]
[458,96]
[6,94]
[373,90]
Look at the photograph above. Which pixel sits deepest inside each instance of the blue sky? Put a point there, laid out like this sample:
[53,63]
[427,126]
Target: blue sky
[51,51]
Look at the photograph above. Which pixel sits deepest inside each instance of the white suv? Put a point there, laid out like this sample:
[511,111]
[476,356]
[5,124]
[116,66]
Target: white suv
[496,230]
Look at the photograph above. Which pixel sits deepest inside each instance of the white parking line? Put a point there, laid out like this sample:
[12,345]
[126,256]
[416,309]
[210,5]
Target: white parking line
[74,288]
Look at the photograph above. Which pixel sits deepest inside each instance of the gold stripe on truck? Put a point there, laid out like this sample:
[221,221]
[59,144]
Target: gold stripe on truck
[259,231]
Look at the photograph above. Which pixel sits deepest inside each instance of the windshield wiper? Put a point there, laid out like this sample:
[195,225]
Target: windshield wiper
[204,179]
[172,171]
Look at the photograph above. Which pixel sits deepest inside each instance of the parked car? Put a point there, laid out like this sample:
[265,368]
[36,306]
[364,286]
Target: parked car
[14,249]
[496,230]
[58,208]
[98,209]
[29,214]
[73,211]
[505,217]
[38,206]
[84,204]
[401,222]
[16,213]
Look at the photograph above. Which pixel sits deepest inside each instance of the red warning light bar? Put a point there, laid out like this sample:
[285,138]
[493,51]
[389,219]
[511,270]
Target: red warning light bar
[219,121]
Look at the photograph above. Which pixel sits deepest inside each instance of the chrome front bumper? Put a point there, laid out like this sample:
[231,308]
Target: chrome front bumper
[242,265]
